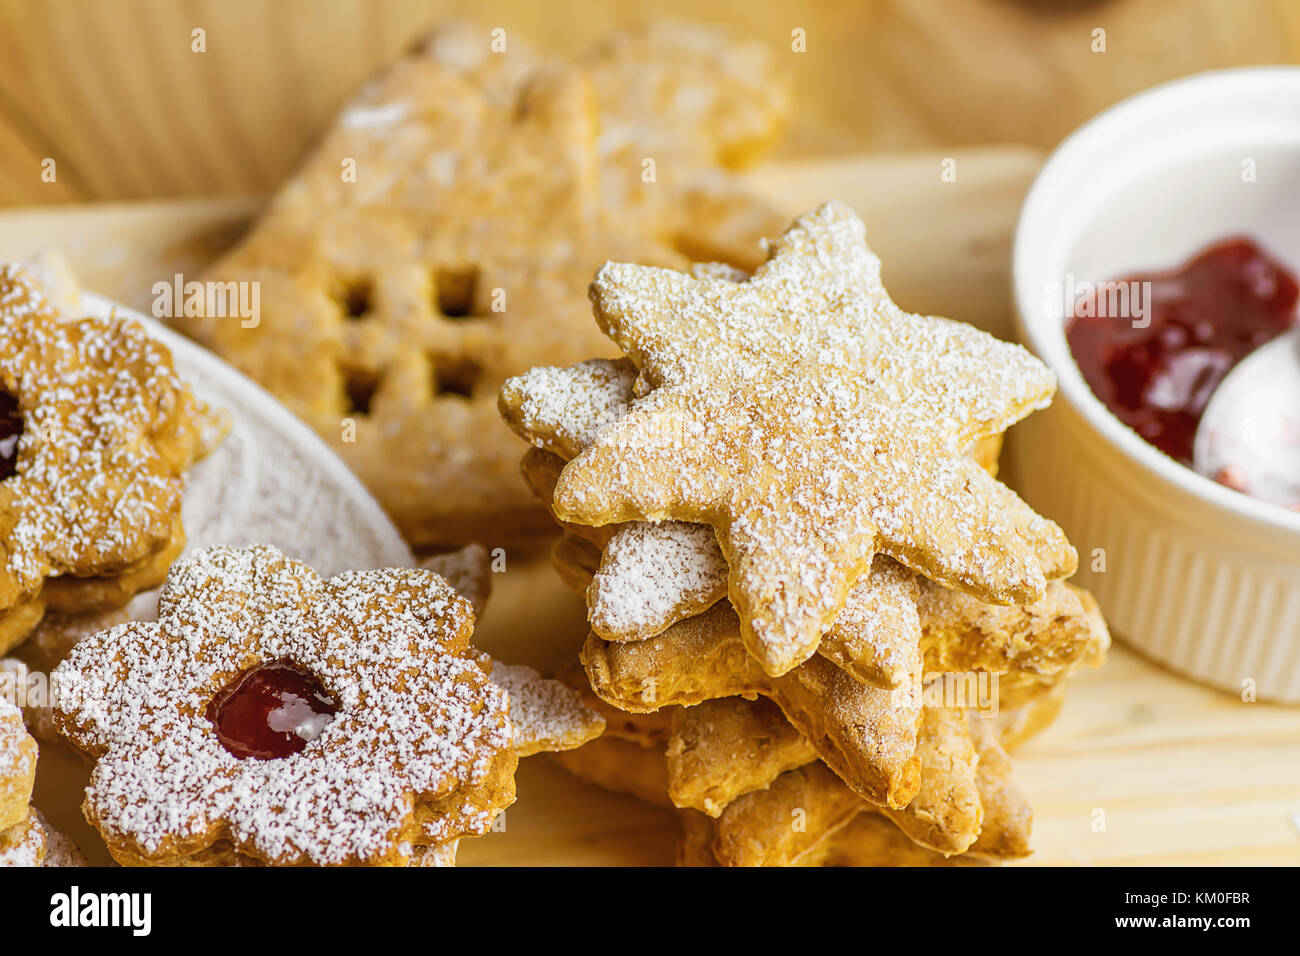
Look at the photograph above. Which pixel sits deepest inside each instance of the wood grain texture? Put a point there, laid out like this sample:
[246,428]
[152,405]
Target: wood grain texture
[121,249]
[1182,774]
[112,90]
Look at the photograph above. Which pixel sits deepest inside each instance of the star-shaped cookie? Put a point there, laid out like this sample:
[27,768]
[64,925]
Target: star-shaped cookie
[813,424]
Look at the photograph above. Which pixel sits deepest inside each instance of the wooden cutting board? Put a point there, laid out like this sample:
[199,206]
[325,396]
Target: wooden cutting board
[1179,774]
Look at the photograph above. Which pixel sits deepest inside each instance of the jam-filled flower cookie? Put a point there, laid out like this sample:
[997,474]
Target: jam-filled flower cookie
[269,716]
[96,433]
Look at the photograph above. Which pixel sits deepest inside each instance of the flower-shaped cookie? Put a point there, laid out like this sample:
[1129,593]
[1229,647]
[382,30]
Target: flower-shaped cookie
[272,716]
[96,431]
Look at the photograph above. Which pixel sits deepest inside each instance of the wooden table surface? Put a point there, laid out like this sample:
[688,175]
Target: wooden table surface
[115,92]
[1182,774]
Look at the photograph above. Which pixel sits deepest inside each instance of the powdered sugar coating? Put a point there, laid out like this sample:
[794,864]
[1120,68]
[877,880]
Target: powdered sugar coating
[545,714]
[652,575]
[33,842]
[23,844]
[812,423]
[562,409]
[468,570]
[442,855]
[17,750]
[268,482]
[418,719]
[109,428]
[59,850]
[21,841]
[876,635]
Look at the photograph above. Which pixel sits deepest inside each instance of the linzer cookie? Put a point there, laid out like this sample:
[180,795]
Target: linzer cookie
[96,433]
[441,238]
[272,717]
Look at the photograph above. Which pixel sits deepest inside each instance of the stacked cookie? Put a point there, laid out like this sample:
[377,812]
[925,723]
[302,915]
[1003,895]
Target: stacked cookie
[96,433]
[798,563]
[441,238]
[26,839]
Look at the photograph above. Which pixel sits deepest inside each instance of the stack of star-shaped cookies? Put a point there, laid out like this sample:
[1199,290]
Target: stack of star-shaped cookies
[818,621]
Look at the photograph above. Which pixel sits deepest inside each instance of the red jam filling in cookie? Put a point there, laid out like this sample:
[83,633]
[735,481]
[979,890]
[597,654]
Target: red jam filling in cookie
[271,711]
[11,429]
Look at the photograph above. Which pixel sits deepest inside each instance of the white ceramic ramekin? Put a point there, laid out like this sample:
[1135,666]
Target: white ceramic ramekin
[1192,574]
